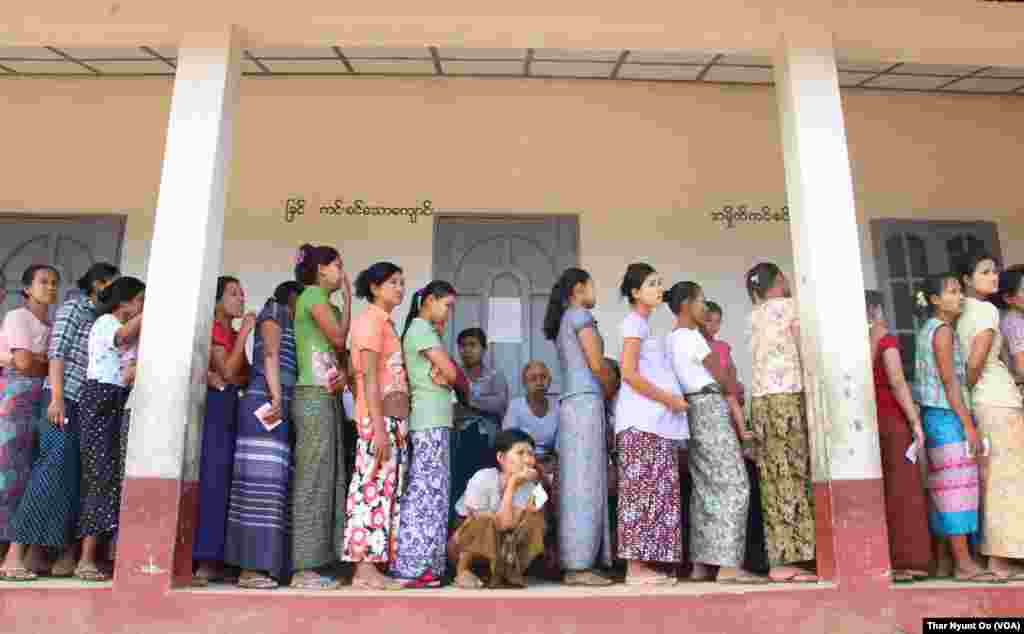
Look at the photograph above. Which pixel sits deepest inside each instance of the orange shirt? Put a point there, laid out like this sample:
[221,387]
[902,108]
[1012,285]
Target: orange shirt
[374,330]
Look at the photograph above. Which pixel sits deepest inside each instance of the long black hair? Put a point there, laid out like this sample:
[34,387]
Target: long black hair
[124,289]
[308,261]
[438,289]
[634,278]
[98,272]
[561,292]
[29,276]
[760,279]
[681,293]
[933,285]
[1010,282]
[284,291]
[374,276]
[222,285]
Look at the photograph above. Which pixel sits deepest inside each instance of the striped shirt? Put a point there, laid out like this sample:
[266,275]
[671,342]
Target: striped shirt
[287,361]
[69,342]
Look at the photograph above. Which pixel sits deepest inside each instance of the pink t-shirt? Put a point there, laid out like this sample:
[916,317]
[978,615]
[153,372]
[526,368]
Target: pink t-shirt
[24,331]
[374,330]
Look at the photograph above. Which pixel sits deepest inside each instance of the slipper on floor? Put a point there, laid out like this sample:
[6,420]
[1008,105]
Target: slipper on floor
[18,574]
[426,580]
[587,578]
[918,575]
[257,582]
[651,580]
[362,584]
[91,574]
[744,580]
[468,581]
[800,577]
[980,577]
[316,583]
[902,577]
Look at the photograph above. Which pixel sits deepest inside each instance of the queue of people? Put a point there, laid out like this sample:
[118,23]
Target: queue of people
[355,442]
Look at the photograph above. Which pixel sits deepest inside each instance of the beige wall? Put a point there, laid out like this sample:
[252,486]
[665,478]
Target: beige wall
[642,163]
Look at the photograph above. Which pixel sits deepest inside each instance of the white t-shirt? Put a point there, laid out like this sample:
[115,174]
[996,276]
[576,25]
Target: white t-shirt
[484,491]
[995,386]
[107,361]
[635,411]
[687,349]
[543,430]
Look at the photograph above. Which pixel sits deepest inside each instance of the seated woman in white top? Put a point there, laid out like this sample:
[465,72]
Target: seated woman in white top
[536,413]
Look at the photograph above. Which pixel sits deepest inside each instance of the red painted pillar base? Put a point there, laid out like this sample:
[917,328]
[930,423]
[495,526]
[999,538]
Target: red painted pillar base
[154,550]
[852,542]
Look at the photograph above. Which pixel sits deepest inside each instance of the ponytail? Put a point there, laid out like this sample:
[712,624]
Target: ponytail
[308,261]
[123,289]
[438,289]
[561,293]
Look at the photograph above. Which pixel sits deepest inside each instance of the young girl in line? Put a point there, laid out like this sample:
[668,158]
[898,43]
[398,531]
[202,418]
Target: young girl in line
[950,433]
[113,346]
[421,551]
[721,492]
[650,419]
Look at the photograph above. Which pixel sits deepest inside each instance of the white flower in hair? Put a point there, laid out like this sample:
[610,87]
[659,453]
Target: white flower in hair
[922,301]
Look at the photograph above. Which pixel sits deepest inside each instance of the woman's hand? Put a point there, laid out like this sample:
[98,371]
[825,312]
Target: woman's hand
[215,380]
[274,414]
[380,445]
[55,412]
[677,404]
[248,323]
[973,446]
[915,428]
[744,434]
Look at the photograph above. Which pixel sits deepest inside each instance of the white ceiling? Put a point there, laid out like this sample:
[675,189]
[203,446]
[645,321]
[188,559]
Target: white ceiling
[677,65]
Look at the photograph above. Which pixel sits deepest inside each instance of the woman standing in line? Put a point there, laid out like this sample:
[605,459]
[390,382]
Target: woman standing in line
[650,420]
[421,550]
[584,533]
[257,522]
[899,425]
[318,487]
[950,433]
[229,373]
[113,344]
[1011,295]
[999,412]
[27,330]
[721,492]
[756,559]
[780,426]
[48,513]
[382,409]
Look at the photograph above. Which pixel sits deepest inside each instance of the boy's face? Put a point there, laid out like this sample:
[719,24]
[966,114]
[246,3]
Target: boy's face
[471,351]
[712,324]
[517,459]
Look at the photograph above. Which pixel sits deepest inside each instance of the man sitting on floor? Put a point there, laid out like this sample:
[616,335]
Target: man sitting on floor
[499,516]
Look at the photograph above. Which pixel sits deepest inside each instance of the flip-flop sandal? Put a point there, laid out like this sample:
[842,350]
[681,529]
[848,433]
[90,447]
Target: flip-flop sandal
[426,580]
[980,577]
[316,583]
[902,577]
[63,571]
[744,580]
[91,574]
[468,582]
[200,582]
[362,584]
[257,582]
[18,574]
[652,580]
[918,575]
[586,578]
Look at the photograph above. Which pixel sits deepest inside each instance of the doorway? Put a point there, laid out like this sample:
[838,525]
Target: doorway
[503,268]
[908,251]
[71,244]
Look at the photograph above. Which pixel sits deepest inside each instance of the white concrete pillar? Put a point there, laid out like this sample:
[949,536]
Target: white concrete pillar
[185,259]
[829,279]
